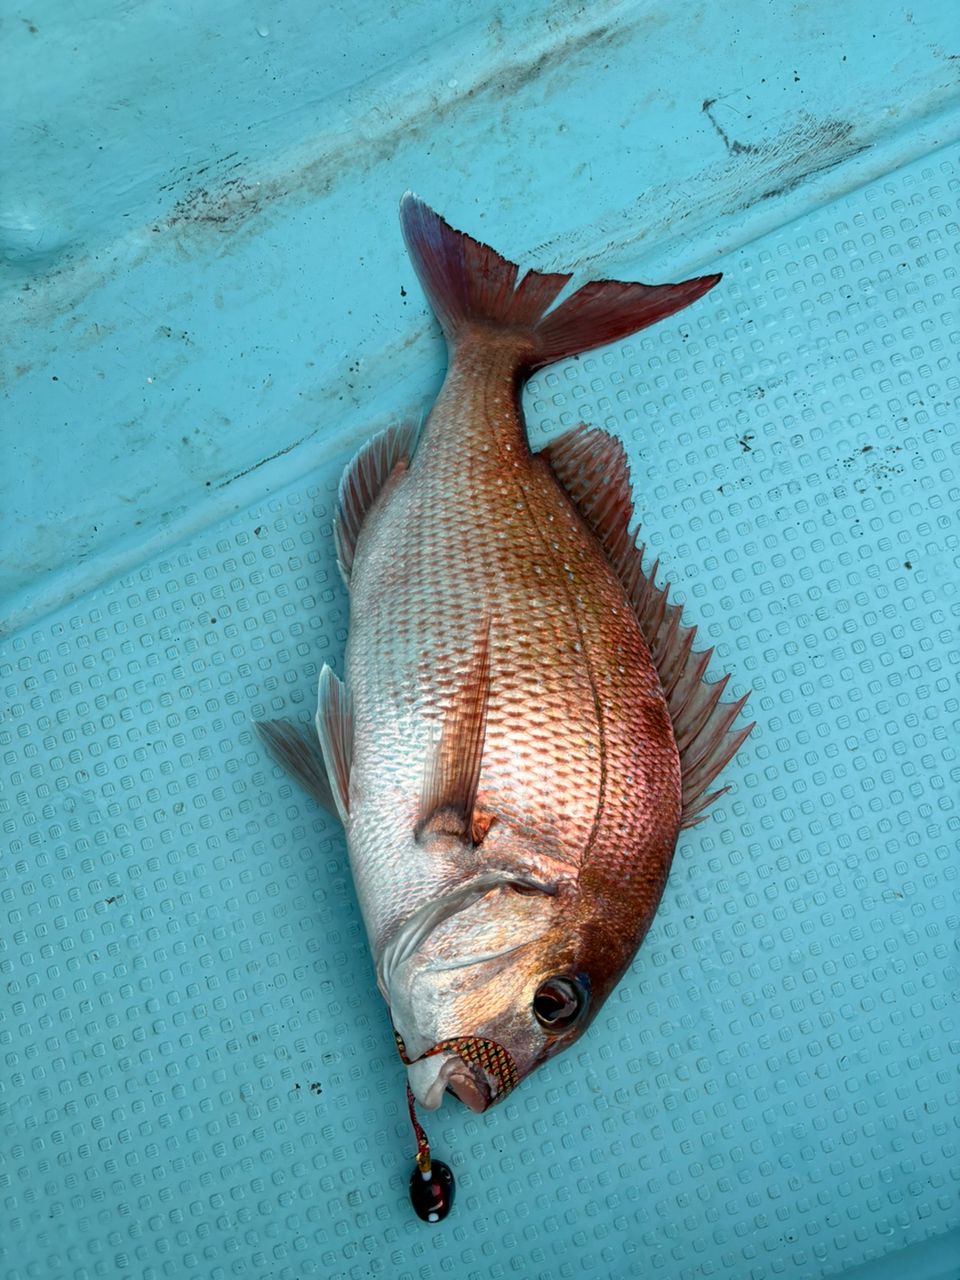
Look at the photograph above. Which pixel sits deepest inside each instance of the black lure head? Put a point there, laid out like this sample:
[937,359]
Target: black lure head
[431,1194]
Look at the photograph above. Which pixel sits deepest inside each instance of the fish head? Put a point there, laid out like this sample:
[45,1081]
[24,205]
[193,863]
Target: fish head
[488,983]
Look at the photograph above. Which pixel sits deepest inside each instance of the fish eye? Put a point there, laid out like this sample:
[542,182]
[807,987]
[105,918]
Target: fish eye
[559,1002]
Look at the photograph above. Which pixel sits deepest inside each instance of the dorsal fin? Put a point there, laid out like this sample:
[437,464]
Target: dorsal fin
[592,467]
[299,754]
[448,803]
[335,730]
[362,482]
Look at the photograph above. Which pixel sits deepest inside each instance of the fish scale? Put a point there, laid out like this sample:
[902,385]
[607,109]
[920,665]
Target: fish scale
[545,738]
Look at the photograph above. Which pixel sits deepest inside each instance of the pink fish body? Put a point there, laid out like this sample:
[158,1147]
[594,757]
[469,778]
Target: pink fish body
[524,726]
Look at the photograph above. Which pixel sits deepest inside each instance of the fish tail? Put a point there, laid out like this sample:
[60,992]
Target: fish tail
[470,285]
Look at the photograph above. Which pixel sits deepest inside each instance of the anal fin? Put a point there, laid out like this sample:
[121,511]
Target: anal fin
[448,802]
[591,466]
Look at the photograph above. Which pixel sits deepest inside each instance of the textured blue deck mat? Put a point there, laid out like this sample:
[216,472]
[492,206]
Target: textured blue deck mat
[198,1077]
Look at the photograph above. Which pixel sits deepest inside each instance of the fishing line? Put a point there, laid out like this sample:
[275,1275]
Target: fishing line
[431,1183]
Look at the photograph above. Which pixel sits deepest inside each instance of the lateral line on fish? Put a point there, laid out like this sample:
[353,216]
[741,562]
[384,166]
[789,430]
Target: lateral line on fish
[550,553]
[493,414]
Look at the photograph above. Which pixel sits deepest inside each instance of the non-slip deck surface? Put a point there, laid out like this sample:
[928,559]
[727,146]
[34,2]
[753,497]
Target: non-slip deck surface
[198,1076]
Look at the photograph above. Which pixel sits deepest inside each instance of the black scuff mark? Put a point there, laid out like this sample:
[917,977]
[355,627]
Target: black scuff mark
[166,331]
[562,56]
[943,55]
[744,441]
[231,204]
[178,178]
[798,179]
[738,482]
[824,147]
[735,148]
[316,1087]
[877,471]
[263,461]
[809,147]
[224,207]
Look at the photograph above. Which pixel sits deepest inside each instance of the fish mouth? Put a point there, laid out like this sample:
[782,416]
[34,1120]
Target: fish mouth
[469,1086]
[430,1078]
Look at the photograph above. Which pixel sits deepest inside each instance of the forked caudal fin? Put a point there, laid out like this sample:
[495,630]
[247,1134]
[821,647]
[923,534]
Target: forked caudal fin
[470,284]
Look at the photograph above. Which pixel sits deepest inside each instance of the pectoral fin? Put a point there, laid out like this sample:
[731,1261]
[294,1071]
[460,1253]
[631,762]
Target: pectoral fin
[335,730]
[448,802]
[300,755]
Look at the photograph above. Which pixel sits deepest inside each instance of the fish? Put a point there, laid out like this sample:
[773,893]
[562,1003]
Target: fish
[524,725]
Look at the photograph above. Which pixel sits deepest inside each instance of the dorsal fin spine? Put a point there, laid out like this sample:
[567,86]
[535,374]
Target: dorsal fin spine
[362,483]
[676,660]
[699,712]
